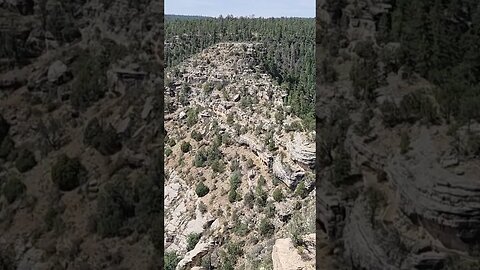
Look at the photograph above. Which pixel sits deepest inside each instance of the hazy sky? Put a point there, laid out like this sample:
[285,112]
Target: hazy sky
[259,8]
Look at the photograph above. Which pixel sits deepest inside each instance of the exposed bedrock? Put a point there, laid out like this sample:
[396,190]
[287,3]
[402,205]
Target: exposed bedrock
[445,203]
[301,150]
[283,172]
[373,245]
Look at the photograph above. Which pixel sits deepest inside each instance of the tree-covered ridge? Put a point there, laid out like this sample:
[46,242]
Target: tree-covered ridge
[289,50]
[171,17]
[441,41]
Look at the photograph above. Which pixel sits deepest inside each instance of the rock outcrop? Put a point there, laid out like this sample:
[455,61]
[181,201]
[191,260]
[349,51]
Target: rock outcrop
[286,256]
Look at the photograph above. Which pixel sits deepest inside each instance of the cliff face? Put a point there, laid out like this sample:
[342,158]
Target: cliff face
[235,158]
[409,199]
[81,120]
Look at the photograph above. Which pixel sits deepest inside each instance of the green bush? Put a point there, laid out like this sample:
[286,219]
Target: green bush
[6,147]
[232,195]
[171,260]
[278,195]
[67,173]
[171,142]
[106,141]
[197,136]
[261,196]
[148,200]
[301,191]
[240,229]
[202,207]
[168,152]
[270,210]
[192,240]
[192,117]
[115,206]
[249,199]
[13,189]
[218,166]
[266,227]
[200,158]
[25,161]
[201,189]
[185,147]
[90,82]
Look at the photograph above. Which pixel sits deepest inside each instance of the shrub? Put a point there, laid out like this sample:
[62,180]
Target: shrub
[301,191]
[192,117]
[192,240]
[115,206]
[249,199]
[230,119]
[202,207]
[67,173]
[297,228]
[6,147]
[270,210]
[241,229]
[277,195]
[218,166]
[25,161]
[171,260]
[201,189]
[90,83]
[232,195]
[200,159]
[235,179]
[185,147]
[261,196]
[13,189]
[266,227]
[107,141]
[197,136]
[168,152]
[171,142]
[148,199]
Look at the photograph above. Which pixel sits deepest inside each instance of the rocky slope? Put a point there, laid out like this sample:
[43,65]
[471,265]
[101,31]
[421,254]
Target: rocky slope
[410,198]
[239,165]
[80,124]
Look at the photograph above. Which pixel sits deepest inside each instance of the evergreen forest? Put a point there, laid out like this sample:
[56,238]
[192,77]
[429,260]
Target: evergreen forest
[289,50]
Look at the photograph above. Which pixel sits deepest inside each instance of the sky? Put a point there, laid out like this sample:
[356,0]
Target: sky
[259,8]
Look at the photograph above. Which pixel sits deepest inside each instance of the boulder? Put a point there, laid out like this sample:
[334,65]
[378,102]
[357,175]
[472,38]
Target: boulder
[193,257]
[285,256]
[58,73]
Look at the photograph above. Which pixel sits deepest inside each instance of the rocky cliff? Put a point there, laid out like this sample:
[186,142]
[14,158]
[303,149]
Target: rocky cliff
[388,196]
[238,169]
[80,132]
